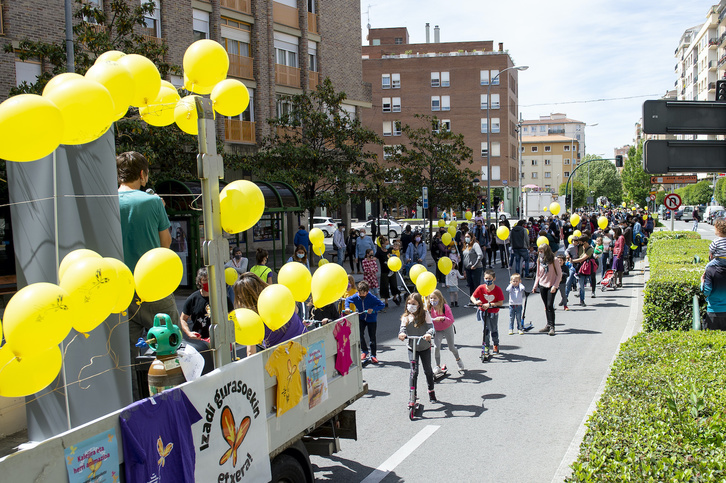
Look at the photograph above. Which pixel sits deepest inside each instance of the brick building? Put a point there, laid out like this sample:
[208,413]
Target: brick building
[547,161]
[275,48]
[448,80]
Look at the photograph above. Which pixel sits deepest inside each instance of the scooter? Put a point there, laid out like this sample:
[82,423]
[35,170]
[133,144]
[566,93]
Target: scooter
[415,408]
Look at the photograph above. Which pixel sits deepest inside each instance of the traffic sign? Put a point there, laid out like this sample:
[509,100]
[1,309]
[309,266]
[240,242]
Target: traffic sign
[652,197]
[425,198]
[692,156]
[672,201]
[684,117]
[687,179]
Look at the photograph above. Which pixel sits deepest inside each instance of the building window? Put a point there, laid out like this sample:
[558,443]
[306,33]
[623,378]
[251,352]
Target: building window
[548,149]
[435,79]
[534,162]
[577,136]
[390,150]
[543,128]
[445,103]
[152,21]
[313,61]
[445,124]
[445,79]
[396,128]
[495,77]
[396,81]
[387,128]
[525,129]
[496,149]
[484,125]
[27,71]
[376,41]
[396,104]
[236,47]
[386,104]
[200,24]
[534,175]
[534,149]
[435,103]
[484,150]
[495,124]
[567,160]
[567,174]
[483,101]
[284,106]
[398,40]
[386,81]
[286,57]
[548,162]
[484,77]
[548,174]
[566,147]
[495,101]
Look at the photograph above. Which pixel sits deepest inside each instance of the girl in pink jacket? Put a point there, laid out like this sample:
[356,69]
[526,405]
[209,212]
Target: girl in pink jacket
[443,321]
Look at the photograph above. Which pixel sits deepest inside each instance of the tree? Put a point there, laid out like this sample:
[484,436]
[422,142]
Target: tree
[720,191]
[318,148]
[604,179]
[636,182]
[701,192]
[433,157]
[579,191]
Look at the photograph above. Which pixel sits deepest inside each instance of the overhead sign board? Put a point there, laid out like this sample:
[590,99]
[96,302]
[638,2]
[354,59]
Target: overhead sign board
[661,156]
[684,117]
[687,179]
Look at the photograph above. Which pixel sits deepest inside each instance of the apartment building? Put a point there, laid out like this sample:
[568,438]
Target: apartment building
[276,48]
[452,81]
[697,60]
[557,124]
[548,161]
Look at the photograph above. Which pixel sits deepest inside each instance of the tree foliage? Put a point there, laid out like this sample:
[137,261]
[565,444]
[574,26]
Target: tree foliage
[636,182]
[696,194]
[604,179]
[579,191]
[720,191]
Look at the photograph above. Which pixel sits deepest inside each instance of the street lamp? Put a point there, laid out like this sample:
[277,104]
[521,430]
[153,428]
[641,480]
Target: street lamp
[489,128]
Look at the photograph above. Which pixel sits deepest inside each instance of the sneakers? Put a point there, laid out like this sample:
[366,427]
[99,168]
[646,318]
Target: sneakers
[562,302]
[521,332]
[593,295]
[460,363]
[363,356]
[582,303]
[545,329]
[496,349]
[374,360]
[552,331]
[511,332]
[566,307]
[397,300]
[432,396]
[438,371]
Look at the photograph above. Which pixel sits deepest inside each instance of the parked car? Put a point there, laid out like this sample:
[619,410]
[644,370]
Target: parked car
[387,226]
[326,224]
[687,214]
[679,213]
[708,214]
[714,215]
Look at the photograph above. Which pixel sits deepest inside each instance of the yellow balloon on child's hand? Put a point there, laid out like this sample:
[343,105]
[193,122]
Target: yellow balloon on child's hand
[445,265]
[426,284]
[415,271]
[394,264]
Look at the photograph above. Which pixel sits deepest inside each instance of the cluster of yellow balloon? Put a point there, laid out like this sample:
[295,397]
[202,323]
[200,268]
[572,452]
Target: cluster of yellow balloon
[317,240]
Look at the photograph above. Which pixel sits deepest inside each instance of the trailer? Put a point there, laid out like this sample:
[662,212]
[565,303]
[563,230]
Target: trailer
[535,202]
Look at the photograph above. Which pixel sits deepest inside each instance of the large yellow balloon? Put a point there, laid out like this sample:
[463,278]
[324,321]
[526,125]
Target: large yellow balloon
[146,78]
[31,128]
[468,215]
[161,110]
[319,249]
[394,264]
[415,271]
[230,275]
[502,232]
[329,284]
[452,230]
[445,265]
[86,106]
[125,285]
[442,223]
[197,88]
[575,219]
[542,241]
[248,327]
[446,239]
[73,257]
[322,262]
[297,278]
[554,208]
[316,236]
[185,115]
[119,82]
[157,274]
[205,62]
[602,222]
[109,56]
[241,204]
[60,79]
[275,305]
[38,317]
[91,284]
[577,233]
[426,283]
[230,97]
[29,374]
[645,217]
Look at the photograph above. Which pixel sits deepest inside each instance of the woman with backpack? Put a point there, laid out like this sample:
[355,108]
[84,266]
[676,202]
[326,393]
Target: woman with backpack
[587,266]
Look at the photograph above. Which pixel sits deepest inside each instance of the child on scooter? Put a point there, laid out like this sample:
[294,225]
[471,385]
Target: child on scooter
[443,321]
[489,298]
[416,321]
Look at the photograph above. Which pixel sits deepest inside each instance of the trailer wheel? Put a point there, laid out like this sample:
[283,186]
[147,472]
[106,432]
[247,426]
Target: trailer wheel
[286,469]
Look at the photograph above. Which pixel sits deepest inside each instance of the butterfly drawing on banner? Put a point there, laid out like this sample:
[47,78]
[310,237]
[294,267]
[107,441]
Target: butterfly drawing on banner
[232,434]
[94,467]
[163,452]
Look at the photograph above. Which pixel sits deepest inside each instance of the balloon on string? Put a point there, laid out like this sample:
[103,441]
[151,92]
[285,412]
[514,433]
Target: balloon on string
[575,219]
[329,283]
[468,215]
[28,374]
[125,285]
[197,88]
[86,106]
[230,275]
[230,97]
[157,274]
[452,230]
[394,264]
[555,208]
[241,205]
[119,82]
[91,283]
[446,239]
[275,305]
[185,115]
[602,222]
[542,241]
[147,80]
[297,278]
[322,262]
[37,317]
[502,232]
[22,117]
[205,62]
[109,56]
[160,112]
[442,223]
[319,249]
[316,236]
[445,265]
[577,233]
[415,271]
[248,326]
[73,257]
[426,284]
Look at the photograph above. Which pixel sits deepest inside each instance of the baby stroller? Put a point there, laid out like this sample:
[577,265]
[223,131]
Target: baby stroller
[608,281]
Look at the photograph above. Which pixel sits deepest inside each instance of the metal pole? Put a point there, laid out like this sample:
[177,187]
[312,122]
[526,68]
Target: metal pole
[521,169]
[70,55]
[489,148]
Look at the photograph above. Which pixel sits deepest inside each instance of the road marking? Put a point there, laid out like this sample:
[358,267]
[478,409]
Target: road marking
[403,452]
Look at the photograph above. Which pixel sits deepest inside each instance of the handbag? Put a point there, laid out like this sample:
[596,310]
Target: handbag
[587,267]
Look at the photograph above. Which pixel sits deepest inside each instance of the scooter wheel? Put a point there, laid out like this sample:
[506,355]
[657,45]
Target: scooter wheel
[412,413]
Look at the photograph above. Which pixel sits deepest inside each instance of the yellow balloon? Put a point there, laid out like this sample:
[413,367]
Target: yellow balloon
[230,97]
[468,215]
[60,79]
[329,284]
[86,106]
[316,236]
[452,230]
[297,278]
[147,80]
[544,209]
[157,274]
[426,283]
[166,83]
[569,238]
[125,285]
[38,317]
[275,306]
[502,232]
[445,265]
[575,219]
[446,239]
[442,223]
[109,56]
[602,222]
[554,208]
[394,264]
[322,262]
[319,249]
[645,217]
[197,88]
[117,79]
[29,374]
[73,257]
[161,110]
[230,275]
[453,223]
[185,115]
[542,241]
[205,62]
[22,118]
[415,271]
[577,233]
[241,204]
[248,327]
[91,283]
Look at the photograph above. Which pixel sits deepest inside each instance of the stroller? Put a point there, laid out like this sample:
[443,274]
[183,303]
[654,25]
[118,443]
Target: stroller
[608,281]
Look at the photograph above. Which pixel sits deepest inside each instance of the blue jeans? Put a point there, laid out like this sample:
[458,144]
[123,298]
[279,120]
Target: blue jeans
[519,255]
[341,256]
[515,312]
[604,262]
[473,279]
[695,225]
[571,284]
[583,278]
[490,326]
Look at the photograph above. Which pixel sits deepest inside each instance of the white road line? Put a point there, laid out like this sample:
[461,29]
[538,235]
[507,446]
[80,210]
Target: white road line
[403,452]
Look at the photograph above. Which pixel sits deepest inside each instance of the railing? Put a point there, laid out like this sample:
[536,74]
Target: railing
[241,66]
[287,76]
[711,64]
[555,131]
[239,131]
[153,38]
[244,6]
[313,79]
[285,15]
[313,23]
[713,42]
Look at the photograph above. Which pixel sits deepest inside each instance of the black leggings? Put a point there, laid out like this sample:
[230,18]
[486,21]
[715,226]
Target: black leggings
[424,359]
[384,288]
[548,299]
[372,326]
[491,253]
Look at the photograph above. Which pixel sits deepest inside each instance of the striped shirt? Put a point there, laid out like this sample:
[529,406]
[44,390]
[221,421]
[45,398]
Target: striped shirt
[718,247]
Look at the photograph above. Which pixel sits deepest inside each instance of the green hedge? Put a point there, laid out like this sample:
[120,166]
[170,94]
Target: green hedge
[662,416]
[674,280]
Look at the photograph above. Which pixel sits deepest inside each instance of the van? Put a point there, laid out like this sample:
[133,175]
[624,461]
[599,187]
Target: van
[710,210]
[688,212]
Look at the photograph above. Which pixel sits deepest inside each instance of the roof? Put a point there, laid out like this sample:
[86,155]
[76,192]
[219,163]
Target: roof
[548,139]
[552,121]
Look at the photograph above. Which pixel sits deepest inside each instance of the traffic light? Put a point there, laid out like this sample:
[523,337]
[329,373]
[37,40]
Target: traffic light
[721,90]
[568,200]
[619,161]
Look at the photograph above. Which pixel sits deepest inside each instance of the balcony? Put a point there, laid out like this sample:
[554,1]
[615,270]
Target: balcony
[285,15]
[556,131]
[712,65]
[313,23]
[153,38]
[713,43]
[241,66]
[237,131]
[244,6]
[711,86]
[313,80]
[287,76]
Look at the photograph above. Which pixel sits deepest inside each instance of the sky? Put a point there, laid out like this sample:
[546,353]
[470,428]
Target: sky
[578,52]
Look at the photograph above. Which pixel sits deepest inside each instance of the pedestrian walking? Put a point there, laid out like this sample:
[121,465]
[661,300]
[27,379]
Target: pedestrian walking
[547,280]
[515,289]
[416,321]
[350,248]
[696,218]
[443,321]
[488,297]
[452,280]
[339,243]
[368,307]
[618,253]
[472,259]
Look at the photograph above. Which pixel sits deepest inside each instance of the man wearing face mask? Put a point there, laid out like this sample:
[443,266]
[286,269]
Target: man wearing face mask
[238,262]
[195,312]
[416,252]
[363,244]
[339,243]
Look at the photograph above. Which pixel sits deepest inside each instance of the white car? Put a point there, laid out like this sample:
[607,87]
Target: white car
[326,224]
[390,227]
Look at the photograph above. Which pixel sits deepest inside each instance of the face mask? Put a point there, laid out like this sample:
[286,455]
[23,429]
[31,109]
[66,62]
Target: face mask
[238,257]
[301,255]
[418,239]
[488,282]
[467,239]
[205,287]
[434,303]
[388,246]
[412,308]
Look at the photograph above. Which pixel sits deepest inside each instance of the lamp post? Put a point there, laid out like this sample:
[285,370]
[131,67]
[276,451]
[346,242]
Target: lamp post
[489,146]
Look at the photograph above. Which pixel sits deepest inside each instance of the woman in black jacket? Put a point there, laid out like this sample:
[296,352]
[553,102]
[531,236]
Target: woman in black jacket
[350,250]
